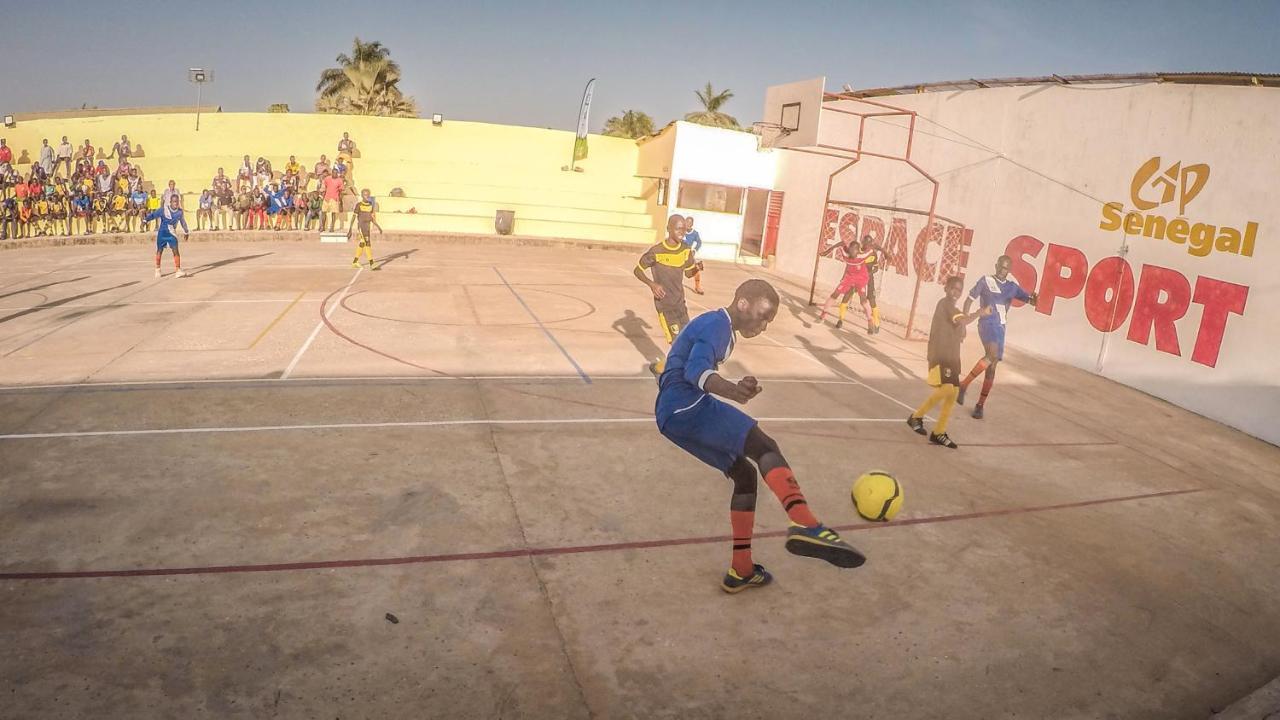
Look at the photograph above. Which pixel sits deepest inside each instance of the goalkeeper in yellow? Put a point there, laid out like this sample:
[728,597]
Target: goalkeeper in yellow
[362,219]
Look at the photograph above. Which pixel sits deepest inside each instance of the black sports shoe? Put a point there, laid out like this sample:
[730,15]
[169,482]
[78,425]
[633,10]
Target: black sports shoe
[977,412]
[943,440]
[839,324]
[960,395]
[916,424]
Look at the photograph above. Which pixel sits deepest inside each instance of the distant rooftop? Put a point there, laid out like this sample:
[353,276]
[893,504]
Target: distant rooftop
[1193,78]
[99,112]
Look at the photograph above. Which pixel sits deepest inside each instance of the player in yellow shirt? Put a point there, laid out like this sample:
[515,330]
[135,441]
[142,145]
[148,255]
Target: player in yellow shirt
[41,217]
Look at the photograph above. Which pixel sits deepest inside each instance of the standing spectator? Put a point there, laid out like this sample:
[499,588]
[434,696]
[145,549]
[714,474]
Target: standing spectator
[222,202]
[332,200]
[135,180]
[65,151]
[6,153]
[103,179]
[244,176]
[322,168]
[46,157]
[86,152]
[122,150]
[346,146]
[694,242]
[138,207]
[244,204]
[292,172]
[263,167]
[314,204]
[169,192]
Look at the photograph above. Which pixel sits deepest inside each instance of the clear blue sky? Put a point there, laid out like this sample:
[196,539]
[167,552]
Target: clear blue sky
[526,62]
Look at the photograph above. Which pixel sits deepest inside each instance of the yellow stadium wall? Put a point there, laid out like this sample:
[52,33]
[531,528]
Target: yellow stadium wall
[456,175]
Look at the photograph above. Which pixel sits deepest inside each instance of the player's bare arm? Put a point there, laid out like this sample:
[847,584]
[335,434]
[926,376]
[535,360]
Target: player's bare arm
[740,392]
[654,287]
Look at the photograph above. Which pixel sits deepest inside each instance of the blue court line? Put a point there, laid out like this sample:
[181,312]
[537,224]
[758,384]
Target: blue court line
[582,373]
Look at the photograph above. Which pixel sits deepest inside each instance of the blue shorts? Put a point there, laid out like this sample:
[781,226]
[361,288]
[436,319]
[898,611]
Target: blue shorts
[992,334]
[712,431]
[166,242]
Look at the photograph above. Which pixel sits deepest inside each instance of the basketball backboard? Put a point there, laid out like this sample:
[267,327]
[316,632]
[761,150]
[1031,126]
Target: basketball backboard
[792,113]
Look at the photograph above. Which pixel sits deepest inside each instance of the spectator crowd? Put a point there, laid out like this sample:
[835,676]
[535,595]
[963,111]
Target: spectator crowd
[69,190]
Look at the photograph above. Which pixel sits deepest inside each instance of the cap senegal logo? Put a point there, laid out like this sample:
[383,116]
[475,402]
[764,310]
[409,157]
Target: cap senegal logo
[1151,189]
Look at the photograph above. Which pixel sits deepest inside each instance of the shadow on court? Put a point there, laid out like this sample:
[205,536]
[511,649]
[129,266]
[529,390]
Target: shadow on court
[41,287]
[221,263]
[402,255]
[64,301]
[633,327]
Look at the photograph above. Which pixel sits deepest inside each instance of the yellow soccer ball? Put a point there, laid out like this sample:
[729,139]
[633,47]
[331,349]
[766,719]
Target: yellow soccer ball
[877,496]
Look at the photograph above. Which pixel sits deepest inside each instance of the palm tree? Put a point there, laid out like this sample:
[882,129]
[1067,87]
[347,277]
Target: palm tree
[710,113]
[633,124]
[364,83]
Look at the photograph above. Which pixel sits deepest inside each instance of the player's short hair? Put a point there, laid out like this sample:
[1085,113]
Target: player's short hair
[1004,259]
[954,279]
[756,289]
[674,218]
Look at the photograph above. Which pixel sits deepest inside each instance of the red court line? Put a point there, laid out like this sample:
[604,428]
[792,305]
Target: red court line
[562,550]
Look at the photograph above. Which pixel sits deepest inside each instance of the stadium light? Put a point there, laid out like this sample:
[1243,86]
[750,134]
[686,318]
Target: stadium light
[199,76]
[437,119]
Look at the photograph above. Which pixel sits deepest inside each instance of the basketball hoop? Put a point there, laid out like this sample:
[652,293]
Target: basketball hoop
[767,134]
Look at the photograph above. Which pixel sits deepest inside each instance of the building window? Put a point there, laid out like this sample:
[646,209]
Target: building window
[714,198]
[664,186]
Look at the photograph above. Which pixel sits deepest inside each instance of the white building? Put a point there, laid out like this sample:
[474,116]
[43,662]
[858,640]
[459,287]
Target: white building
[718,177]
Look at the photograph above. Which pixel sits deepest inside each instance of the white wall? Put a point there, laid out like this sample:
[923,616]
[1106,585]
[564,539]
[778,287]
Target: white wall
[1029,170]
[723,157]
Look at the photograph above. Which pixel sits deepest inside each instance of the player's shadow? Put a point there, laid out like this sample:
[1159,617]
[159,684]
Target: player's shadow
[63,301]
[41,287]
[798,308]
[633,327]
[827,356]
[852,339]
[222,263]
[402,255]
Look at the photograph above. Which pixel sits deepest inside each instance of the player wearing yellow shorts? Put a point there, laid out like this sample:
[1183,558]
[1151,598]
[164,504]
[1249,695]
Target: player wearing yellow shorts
[362,219]
[945,335]
[670,261]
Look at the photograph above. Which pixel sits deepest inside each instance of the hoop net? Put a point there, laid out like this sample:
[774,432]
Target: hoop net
[767,134]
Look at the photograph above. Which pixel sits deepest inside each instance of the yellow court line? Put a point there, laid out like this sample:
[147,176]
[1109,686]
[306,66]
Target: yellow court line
[279,317]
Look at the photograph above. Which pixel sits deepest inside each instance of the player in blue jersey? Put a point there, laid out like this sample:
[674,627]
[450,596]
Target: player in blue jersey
[996,291]
[729,440]
[694,241]
[168,217]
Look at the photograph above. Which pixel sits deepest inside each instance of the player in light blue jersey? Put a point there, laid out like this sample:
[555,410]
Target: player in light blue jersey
[729,440]
[997,292]
[168,217]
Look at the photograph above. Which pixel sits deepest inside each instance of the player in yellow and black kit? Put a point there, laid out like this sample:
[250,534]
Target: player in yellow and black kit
[670,261]
[362,218]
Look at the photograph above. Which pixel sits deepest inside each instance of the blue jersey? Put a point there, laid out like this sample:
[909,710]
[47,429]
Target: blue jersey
[168,219]
[693,239]
[998,293]
[696,353]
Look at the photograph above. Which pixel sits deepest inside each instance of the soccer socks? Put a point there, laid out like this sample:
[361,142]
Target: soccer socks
[939,394]
[949,393]
[987,382]
[875,316]
[783,484]
[158,256]
[843,308]
[978,368]
[743,522]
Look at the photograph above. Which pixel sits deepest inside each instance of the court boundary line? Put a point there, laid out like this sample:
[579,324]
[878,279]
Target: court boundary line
[461,422]
[534,552]
[585,378]
[300,380]
[324,315]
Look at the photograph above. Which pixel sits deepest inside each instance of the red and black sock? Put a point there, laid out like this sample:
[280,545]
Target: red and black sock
[978,368]
[743,522]
[783,484]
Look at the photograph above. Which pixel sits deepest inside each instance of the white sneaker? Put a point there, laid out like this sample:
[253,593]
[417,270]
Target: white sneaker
[157,272]
[179,274]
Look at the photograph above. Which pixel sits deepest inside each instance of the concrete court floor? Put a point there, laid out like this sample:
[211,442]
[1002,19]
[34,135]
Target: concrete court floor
[1090,552]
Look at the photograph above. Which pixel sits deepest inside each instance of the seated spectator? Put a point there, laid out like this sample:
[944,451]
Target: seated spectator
[135,179]
[292,173]
[263,167]
[244,175]
[138,206]
[322,168]
[122,149]
[204,210]
[221,183]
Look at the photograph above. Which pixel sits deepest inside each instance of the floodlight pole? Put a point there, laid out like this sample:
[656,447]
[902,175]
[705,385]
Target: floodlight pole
[199,91]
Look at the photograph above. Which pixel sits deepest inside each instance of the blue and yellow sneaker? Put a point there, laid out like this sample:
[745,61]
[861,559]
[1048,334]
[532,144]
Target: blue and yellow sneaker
[823,543]
[735,583]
